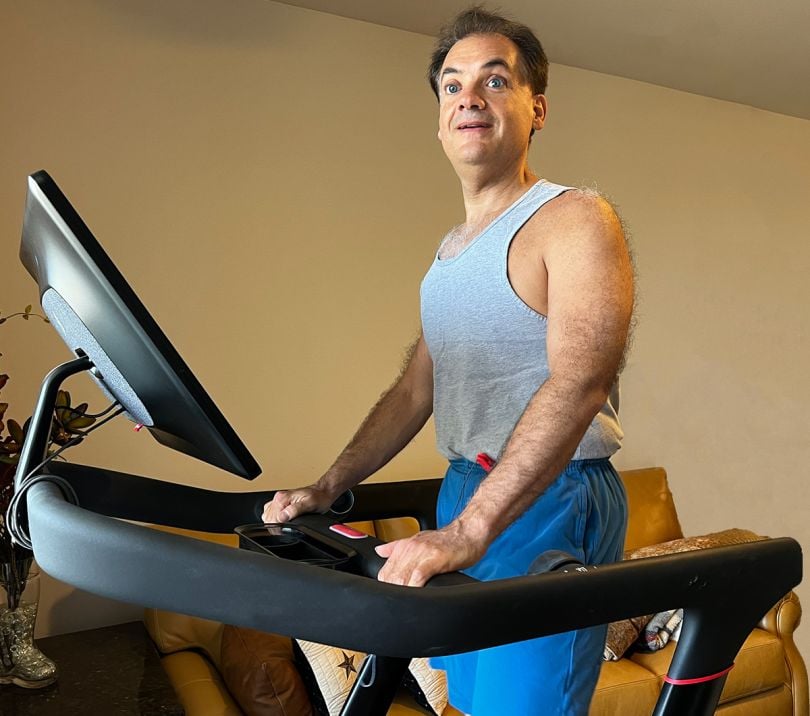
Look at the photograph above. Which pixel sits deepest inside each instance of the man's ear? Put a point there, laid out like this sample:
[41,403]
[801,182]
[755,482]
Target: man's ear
[540,107]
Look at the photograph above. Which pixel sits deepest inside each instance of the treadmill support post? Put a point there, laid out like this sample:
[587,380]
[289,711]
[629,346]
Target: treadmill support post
[375,686]
[694,699]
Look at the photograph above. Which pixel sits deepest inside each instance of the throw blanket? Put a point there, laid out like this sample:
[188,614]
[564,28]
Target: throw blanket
[653,631]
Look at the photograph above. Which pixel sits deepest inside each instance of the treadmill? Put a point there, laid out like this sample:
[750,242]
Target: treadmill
[312,578]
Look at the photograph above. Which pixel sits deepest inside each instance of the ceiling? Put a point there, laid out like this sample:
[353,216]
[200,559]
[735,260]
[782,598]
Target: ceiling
[747,51]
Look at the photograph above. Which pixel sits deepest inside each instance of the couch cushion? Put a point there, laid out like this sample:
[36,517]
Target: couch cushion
[259,672]
[396,528]
[776,702]
[759,666]
[366,526]
[624,688]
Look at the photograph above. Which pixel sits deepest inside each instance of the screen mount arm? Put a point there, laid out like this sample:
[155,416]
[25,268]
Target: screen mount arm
[35,445]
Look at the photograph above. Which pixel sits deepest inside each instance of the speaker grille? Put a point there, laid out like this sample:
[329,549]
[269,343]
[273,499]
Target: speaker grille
[79,339]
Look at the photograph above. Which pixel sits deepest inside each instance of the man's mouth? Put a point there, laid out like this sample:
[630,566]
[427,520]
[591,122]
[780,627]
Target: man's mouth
[474,125]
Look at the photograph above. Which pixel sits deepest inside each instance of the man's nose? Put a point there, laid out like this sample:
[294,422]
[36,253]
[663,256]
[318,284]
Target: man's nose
[470,99]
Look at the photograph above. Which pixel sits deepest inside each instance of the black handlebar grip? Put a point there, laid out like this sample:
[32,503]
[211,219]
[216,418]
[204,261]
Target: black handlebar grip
[553,560]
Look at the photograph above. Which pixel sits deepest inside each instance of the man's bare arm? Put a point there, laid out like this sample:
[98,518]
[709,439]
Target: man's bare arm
[590,301]
[396,418]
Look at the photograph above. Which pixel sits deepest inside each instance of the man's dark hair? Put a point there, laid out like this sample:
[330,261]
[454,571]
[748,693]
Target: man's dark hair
[478,21]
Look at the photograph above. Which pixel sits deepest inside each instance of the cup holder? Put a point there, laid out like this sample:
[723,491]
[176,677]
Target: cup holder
[294,544]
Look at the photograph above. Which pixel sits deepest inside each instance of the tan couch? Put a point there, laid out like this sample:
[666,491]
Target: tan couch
[769,678]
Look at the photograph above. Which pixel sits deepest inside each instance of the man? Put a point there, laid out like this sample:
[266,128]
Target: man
[525,316]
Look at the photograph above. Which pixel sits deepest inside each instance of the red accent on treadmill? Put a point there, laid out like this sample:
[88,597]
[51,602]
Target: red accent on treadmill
[346,531]
[699,680]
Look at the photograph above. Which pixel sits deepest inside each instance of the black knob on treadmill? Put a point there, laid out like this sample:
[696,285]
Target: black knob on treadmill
[553,560]
[343,504]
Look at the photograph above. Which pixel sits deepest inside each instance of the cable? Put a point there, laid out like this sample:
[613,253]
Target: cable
[371,672]
[14,513]
[80,435]
[79,414]
[18,534]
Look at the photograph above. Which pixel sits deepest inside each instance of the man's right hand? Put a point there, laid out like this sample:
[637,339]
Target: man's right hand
[288,504]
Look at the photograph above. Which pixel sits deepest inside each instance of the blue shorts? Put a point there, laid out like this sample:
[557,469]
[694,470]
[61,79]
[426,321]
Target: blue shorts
[583,512]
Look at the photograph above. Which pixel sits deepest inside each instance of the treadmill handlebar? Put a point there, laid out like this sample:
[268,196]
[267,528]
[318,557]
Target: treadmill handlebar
[146,499]
[735,585]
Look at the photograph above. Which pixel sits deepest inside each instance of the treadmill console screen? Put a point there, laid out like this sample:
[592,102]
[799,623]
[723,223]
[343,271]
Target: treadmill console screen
[99,316]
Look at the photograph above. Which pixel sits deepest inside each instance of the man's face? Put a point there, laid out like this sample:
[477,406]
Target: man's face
[486,108]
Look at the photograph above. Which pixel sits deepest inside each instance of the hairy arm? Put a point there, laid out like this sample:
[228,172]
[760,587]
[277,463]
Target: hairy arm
[590,302]
[396,418]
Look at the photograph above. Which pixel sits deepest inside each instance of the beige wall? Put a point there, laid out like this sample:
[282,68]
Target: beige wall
[715,197]
[268,180]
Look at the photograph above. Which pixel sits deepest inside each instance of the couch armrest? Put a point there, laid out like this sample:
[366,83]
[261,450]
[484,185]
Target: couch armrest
[198,685]
[784,617]
[173,632]
[782,620]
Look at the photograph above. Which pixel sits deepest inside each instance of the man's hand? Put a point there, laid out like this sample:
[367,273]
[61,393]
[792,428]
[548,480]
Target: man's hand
[288,504]
[413,561]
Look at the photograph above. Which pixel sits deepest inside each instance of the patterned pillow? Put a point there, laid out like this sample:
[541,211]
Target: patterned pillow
[329,674]
[623,634]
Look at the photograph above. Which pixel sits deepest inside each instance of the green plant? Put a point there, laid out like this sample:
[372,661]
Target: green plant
[67,425]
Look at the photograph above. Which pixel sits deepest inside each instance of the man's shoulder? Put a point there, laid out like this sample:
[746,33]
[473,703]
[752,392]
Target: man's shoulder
[580,205]
[576,212]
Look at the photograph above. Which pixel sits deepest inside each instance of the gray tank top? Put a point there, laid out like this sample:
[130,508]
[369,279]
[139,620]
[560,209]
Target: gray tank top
[489,348]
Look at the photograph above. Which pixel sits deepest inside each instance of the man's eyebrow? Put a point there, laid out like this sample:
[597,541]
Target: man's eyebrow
[495,62]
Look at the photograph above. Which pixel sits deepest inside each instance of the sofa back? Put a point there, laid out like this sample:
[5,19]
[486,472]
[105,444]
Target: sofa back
[653,518]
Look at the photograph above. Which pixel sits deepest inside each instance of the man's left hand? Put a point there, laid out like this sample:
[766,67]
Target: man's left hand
[411,562]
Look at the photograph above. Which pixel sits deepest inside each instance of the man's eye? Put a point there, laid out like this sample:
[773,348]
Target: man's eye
[496,82]
[452,89]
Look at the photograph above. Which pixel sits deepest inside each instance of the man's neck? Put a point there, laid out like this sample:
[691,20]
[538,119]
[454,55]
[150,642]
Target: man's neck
[486,195]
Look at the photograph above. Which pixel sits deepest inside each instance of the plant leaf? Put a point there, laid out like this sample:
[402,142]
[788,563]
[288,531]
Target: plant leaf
[15,431]
[77,424]
[9,447]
